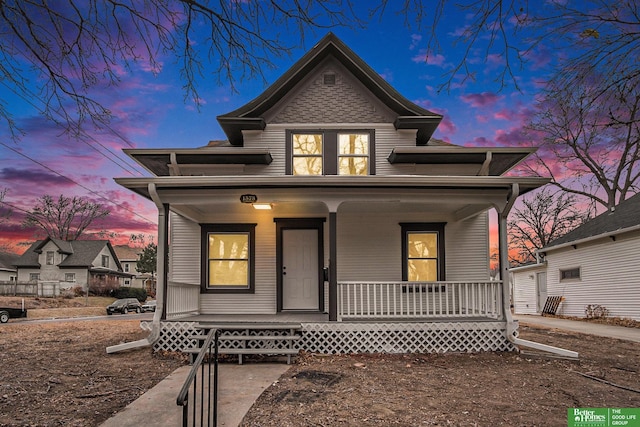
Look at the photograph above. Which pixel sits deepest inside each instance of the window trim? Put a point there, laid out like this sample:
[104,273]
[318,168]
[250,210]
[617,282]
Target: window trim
[205,229]
[424,227]
[105,261]
[52,260]
[68,275]
[577,278]
[330,155]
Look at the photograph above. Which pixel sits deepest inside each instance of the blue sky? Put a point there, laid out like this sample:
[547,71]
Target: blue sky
[150,111]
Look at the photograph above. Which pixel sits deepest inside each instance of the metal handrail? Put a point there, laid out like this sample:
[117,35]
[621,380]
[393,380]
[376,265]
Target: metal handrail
[212,400]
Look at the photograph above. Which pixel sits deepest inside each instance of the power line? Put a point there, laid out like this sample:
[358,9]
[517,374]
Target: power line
[75,182]
[129,166]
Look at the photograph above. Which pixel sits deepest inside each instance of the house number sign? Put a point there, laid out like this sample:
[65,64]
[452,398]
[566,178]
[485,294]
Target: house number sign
[248,198]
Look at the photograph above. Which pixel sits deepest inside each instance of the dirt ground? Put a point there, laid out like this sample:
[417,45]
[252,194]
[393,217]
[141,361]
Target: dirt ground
[58,374]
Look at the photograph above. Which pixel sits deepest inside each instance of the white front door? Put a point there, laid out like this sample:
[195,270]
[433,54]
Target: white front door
[541,290]
[300,269]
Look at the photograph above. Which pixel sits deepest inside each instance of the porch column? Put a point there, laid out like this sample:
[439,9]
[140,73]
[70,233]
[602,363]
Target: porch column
[162,254]
[333,269]
[503,252]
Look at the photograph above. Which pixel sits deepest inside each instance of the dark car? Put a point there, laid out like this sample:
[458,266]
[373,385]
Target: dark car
[149,306]
[124,306]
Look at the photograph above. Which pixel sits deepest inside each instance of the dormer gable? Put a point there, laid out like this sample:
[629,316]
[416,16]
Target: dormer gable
[330,50]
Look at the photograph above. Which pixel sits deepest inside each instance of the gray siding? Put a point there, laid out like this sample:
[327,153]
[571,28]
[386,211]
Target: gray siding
[185,267]
[362,255]
[609,276]
[377,256]
[346,101]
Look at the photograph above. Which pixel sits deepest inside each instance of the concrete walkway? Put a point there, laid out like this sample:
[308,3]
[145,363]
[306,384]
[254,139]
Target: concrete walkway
[609,331]
[239,386]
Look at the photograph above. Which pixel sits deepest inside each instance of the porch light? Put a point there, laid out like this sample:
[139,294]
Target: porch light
[262,206]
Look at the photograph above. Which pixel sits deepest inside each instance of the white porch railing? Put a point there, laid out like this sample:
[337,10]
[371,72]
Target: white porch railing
[182,299]
[419,300]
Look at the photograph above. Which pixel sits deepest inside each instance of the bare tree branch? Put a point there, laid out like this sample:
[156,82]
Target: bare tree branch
[541,219]
[593,140]
[66,218]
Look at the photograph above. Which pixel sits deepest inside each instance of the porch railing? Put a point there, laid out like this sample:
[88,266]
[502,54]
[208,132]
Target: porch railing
[182,299]
[419,300]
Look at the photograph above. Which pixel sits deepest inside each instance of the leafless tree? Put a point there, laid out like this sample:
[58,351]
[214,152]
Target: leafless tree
[66,218]
[5,212]
[542,218]
[593,139]
[74,46]
[71,47]
[588,35]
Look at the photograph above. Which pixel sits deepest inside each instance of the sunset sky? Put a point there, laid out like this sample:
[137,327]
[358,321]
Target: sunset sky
[150,112]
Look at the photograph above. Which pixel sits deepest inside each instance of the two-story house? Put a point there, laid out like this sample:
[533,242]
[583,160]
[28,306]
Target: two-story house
[58,265]
[331,205]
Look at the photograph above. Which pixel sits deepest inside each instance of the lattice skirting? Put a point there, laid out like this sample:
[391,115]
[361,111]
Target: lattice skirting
[337,337]
[440,337]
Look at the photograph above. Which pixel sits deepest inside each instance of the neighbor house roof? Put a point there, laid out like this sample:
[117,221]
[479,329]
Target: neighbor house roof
[7,261]
[408,114]
[127,253]
[80,253]
[624,217]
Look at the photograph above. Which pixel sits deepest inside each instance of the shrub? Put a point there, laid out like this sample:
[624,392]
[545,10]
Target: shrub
[595,311]
[102,287]
[78,291]
[138,293]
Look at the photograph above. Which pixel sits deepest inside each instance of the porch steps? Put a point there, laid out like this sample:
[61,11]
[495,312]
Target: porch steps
[244,338]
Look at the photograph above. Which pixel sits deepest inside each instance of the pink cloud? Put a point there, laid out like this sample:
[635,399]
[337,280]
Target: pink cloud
[484,99]
[431,59]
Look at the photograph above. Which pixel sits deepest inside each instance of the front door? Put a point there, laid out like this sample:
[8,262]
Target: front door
[300,269]
[541,290]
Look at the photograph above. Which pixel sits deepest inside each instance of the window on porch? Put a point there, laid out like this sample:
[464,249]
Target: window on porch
[423,252]
[228,252]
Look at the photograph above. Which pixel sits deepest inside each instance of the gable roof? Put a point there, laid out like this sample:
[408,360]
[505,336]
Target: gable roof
[623,217]
[6,261]
[126,252]
[409,115]
[80,253]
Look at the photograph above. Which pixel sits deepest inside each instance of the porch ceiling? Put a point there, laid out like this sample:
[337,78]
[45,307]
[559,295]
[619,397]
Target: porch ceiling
[454,197]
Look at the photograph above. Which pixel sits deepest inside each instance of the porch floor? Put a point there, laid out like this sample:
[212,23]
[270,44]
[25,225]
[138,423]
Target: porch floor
[305,317]
[284,317]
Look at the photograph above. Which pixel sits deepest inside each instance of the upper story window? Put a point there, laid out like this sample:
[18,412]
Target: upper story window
[330,152]
[126,267]
[105,261]
[50,257]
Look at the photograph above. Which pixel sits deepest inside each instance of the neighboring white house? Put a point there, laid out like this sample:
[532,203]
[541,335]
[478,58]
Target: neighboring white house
[331,203]
[57,265]
[8,272]
[595,264]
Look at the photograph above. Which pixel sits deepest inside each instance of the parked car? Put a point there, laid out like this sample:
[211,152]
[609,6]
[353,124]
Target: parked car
[149,306]
[124,306]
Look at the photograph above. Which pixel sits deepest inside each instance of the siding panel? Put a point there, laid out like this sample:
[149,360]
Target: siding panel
[609,276]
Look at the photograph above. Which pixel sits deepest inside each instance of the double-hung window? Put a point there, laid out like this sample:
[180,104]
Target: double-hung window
[423,252]
[50,257]
[330,152]
[228,257]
